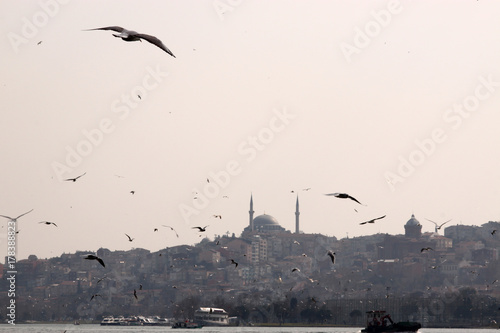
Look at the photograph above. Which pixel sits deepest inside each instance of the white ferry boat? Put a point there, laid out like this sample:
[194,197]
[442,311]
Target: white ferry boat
[211,317]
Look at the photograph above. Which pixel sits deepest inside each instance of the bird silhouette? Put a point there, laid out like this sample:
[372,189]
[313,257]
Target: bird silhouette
[135,294]
[493,232]
[74,179]
[233,262]
[332,256]
[438,226]
[94,296]
[94,257]
[48,223]
[132,36]
[129,238]
[167,226]
[372,220]
[14,219]
[426,249]
[200,228]
[218,216]
[344,196]
[295,269]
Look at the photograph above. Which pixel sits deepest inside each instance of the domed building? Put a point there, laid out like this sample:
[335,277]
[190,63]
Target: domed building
[413,228]
[265,223]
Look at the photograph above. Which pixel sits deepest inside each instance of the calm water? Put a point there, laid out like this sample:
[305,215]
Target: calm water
[60,328]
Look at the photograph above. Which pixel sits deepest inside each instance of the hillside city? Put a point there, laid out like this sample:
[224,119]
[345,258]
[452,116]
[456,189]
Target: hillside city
[271,275]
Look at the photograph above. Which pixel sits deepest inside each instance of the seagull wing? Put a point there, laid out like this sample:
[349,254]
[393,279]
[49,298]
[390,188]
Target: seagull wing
[354,199]
[379,218]
[23,214]
[444,223]
[100,261]
[432,222]
[7,217]
[83,174]
[155,41]
[114,28]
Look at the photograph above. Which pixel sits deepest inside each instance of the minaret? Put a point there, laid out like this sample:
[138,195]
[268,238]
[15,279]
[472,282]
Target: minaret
[297,213]
[251,212]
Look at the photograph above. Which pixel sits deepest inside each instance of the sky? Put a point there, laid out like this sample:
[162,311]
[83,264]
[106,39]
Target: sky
[393,102]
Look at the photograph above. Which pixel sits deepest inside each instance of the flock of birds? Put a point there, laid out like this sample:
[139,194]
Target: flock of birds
[130,36]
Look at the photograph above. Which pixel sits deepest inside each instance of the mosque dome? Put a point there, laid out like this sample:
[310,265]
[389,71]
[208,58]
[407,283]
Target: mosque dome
[264,219]
[265,223]
[412,221]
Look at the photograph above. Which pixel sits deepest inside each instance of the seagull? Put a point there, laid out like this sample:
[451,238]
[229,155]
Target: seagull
[438,226]
[296,242]
[344,196]
[426,249]
[74,179]
[48,223]
[40,42]
[233,262]
[171,229]
[373,220]
[93,257]
[295,269]
[140,286]
[218,216]
[14,219]
[493,232]
[95,295]
[129,238]
[332,256]
[200,228]
[132,192]
[132,36]
[135,294]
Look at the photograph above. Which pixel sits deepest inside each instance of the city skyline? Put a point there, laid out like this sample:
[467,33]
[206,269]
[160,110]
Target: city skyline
[378,100]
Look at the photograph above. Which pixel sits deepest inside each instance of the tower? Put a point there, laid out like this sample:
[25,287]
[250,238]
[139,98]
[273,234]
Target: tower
[251,212]
[297,213]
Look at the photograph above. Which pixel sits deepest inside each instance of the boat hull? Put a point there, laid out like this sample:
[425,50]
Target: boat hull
[397,327]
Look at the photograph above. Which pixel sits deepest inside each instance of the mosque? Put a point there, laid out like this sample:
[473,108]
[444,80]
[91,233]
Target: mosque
[266,223]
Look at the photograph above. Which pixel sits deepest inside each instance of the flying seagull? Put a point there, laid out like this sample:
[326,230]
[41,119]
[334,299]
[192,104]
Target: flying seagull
[74,179]
[438,226]
[426,249]
[332,256]
[167,226]
[48,223]
[93,257]
[295,269]
[344,196]
[493,232]
[129,238]
[14,219]
[200,228]
[233,262]
[373,220]
[135,294]
[95,295]
[132,36]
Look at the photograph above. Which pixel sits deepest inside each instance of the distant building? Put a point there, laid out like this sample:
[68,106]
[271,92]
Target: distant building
[265,223]
[413,228]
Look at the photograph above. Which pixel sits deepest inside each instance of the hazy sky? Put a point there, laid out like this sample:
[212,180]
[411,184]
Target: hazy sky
[396,103]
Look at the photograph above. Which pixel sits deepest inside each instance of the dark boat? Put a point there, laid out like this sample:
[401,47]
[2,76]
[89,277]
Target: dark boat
[379,321]
[186,324]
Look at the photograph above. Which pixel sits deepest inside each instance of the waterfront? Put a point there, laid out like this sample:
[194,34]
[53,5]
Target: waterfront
[50,328]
